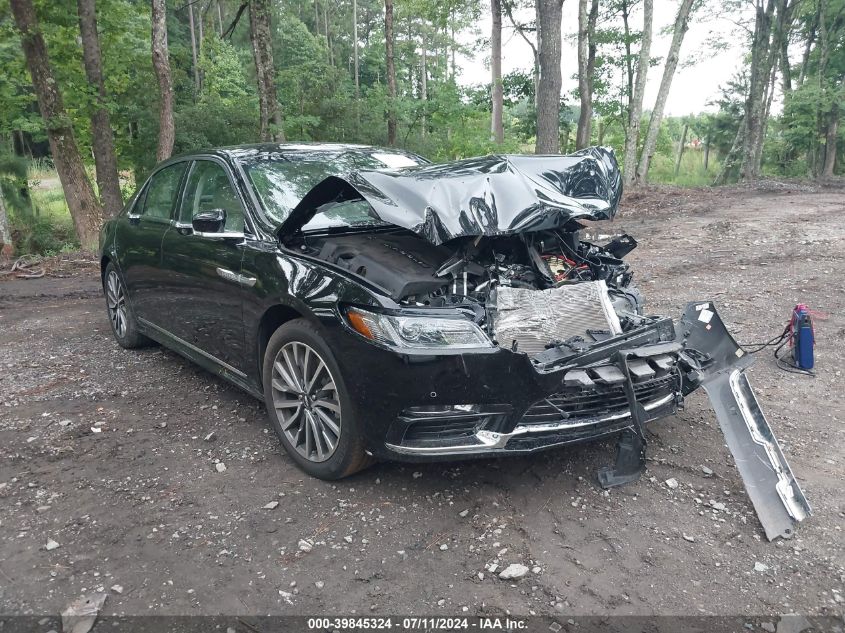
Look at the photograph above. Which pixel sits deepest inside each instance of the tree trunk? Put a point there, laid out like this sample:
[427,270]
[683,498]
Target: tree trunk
[328,34]
[451,37]
[586,66]
[82,203]
[730,159]
[6,247]
[194,65]
[830,142]
[355,48]
[629,64]
[707,152]
[785,67]
[410,63]
[262,52]
[681,147]
[161,65]
[497,130]
[681,26]
[220,18]
[757,85]
[102,137]
[391,72]
[424,80]
[635,111]
[769,96]
[200,36]
[780,33]
[808,46]
[548,90]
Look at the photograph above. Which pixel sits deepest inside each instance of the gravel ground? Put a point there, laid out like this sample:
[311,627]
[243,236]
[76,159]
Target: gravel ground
[110,464]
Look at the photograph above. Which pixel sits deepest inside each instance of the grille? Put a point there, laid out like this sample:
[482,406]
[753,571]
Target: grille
[575,405]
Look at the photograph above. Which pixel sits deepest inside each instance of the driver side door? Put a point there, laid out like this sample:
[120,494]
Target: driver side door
[205,290]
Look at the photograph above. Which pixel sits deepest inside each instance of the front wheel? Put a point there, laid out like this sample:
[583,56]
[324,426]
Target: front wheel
[122,320]
[309,405]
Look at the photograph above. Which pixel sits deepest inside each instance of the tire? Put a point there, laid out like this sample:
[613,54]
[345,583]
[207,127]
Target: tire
[318,427]
[124,326]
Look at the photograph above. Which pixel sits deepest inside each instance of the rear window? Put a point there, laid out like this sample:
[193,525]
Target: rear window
[162,191]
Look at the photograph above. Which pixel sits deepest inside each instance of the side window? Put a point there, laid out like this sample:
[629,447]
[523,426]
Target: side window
[162,192]
[209,188]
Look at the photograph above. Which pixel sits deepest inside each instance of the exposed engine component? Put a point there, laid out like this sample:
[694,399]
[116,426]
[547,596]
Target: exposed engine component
[401,264]
[529,291]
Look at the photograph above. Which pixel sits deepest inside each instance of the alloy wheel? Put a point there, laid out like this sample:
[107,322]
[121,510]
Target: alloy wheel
[306,401]
[116,301]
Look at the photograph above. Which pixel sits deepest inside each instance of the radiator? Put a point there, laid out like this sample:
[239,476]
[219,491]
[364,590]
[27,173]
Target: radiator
[534,318]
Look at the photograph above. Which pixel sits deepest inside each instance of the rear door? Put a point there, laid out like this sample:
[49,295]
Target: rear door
[204,290]
[139,240]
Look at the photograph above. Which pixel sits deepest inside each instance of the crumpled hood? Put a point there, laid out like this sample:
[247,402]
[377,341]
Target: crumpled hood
[490,195]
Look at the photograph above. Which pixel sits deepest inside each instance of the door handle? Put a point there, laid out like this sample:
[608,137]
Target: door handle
[243,280]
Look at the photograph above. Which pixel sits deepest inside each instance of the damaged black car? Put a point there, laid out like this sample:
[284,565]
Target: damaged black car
[387,308]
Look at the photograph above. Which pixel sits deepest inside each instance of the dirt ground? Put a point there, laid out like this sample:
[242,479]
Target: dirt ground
[112,455]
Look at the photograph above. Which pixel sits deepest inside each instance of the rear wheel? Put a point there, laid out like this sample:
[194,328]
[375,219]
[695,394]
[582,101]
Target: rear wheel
[122,320]
[309,405]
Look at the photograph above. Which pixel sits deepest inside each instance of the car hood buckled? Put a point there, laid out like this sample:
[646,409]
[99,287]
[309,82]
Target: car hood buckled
[492,195]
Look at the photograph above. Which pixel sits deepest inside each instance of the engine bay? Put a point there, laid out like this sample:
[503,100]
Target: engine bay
[585,290]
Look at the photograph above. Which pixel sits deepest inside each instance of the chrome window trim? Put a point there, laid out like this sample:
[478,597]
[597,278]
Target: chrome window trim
[222,235]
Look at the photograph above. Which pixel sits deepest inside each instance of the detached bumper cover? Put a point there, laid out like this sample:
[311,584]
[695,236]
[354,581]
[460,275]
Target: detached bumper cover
[719,365]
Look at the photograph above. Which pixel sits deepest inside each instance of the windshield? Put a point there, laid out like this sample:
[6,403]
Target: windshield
[281,182]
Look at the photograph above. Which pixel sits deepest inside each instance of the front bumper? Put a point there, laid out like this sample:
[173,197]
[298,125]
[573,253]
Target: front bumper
[498,401]
[529,437]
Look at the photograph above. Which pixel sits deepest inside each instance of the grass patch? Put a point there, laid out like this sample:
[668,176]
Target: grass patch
[41,224]
[50,203]
[41,169]
[691,173]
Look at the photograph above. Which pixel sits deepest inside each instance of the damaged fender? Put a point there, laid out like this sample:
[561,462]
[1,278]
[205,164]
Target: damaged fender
[718,364]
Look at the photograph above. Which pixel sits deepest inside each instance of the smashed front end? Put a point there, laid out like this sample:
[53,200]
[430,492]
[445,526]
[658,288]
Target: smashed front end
[484,262]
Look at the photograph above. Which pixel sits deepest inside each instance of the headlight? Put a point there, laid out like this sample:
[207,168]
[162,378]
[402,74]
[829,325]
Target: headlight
[421,333]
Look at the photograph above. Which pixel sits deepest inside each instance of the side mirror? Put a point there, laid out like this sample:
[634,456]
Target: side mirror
[211,221]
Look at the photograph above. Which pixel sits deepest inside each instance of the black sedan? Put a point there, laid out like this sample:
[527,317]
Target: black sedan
[384,307]
[388,308]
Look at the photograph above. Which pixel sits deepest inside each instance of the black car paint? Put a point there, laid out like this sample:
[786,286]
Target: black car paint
[224,326]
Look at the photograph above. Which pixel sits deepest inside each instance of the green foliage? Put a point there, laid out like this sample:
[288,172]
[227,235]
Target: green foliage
[38,218]
[43,234]
[315,95]
[226,110]
[222,67]
[13,181]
